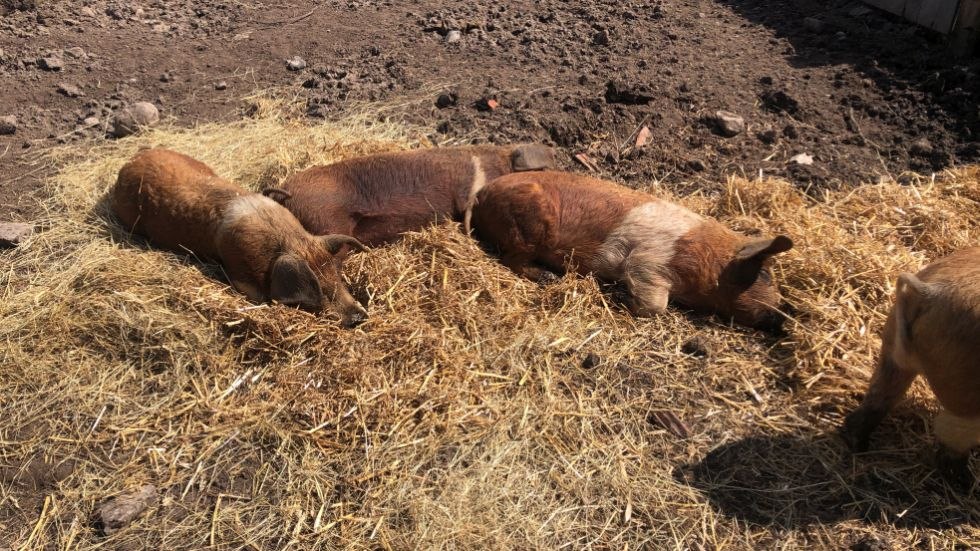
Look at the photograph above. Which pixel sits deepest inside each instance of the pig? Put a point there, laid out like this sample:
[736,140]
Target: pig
[180,204]
[933,330]
[547,222]
[377,198]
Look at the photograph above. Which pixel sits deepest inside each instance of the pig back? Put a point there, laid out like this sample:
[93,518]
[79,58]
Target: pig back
[377,197]
[945,335]
[173,200]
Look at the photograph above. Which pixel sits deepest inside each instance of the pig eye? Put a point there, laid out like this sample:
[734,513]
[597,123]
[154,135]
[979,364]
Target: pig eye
[765,276]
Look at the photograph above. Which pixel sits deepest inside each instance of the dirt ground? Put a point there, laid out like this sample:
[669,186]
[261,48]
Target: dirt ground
[862,93]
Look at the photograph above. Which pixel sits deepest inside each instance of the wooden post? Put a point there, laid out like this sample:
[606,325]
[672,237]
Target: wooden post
[966,29]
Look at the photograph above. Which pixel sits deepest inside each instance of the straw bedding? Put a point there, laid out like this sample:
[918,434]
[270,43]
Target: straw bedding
[474,409]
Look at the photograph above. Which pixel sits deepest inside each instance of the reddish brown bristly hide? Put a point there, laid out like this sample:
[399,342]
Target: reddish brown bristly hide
[379,197]
[180,204]
[933,330]
[554,221]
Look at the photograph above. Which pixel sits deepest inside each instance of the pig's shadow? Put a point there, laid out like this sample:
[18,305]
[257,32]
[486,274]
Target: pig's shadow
[792,481]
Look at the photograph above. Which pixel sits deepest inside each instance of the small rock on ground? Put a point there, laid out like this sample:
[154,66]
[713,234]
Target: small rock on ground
[446,99]
[8,125]
[132,118]
[51,63]
[487,104]
[454,36]
[728,124]
[12,233]
[76,52]
[296,63]
[121,510]
[802,159]
[70,90]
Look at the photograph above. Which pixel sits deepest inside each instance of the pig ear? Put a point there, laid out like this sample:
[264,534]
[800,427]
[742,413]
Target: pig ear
[334,242]
[276,194]
[292,282]
[761,249]
[747,264]
[910,284]
[532,157]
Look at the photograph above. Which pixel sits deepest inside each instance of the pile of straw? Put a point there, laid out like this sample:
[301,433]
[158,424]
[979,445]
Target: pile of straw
[474,409]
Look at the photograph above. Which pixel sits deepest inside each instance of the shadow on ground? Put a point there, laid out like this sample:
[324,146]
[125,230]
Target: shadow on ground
[791,482]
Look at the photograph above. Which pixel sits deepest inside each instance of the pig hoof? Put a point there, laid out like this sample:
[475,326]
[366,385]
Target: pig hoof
[955,469]
[855,433]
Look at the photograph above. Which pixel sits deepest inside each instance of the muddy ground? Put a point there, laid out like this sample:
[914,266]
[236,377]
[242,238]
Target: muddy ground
[862,93]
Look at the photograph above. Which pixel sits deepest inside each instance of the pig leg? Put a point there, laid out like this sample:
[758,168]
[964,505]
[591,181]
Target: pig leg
[647,299]
[237,272]
[519,219]
[647,290]
[957,436]
[889,384]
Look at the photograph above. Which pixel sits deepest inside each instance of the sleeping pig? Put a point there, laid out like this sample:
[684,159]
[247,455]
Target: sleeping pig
[548,222]
[182,205]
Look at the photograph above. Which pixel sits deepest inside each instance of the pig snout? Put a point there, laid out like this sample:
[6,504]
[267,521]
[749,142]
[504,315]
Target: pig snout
[355,319]
[351,312]
[773,321]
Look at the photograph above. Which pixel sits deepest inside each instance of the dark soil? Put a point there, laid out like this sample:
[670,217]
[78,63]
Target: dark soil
[863,93]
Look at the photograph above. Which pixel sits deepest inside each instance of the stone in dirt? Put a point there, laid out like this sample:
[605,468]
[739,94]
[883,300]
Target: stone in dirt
[132,118]
[296,63]
[12,233]
[454,36]
[802,159]
[602,38]
[119,511]
[642,137]
[8,125]
[487,104]
[221,85]
[51,63]
[76,53]
[70,90]
[728,124]
[446,99]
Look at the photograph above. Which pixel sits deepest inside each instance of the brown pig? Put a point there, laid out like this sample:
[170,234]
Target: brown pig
[376,198]
[180,204]
[552,221]
[933,330]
